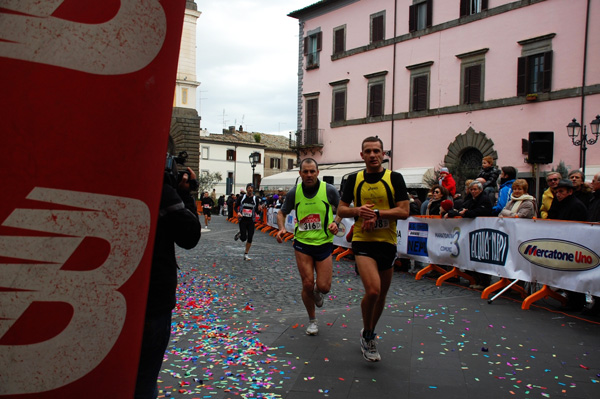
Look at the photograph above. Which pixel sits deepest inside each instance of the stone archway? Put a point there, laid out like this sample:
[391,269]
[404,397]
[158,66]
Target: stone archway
[466,147]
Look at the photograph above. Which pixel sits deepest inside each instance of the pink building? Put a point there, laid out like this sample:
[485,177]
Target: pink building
[445,82]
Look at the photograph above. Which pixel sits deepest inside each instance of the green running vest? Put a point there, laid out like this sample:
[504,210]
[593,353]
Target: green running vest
[313,216]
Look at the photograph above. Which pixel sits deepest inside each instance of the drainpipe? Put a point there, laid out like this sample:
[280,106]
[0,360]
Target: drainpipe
[585,51]
[394,87]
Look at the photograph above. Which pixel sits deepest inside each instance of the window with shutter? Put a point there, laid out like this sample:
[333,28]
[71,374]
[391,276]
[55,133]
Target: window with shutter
[470,7]
[472,76]
[231,155]
[419,93]
[376,99]
[378,27]
[290,164]
[312,48]
[472,85]
[339,105]
[420,15]
[312,121]
[339,40]
[534,73]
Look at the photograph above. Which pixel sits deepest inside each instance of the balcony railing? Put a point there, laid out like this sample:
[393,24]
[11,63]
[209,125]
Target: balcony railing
[309,138]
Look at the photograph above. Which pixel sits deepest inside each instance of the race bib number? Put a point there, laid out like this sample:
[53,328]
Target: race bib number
[310,222]
[206,206]
[382,224]
[247,213]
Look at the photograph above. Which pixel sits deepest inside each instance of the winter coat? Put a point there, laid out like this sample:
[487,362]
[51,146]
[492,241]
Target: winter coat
[449,184]
[503,196]
[547,199]
[527,207]
[490,175]
[478,206]
[594,208]
[569,208]
[177,224]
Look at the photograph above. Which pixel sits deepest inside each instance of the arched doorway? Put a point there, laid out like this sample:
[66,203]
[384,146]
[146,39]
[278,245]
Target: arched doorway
[465,154]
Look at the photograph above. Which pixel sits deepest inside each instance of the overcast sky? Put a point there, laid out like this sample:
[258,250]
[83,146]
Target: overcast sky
[247,64]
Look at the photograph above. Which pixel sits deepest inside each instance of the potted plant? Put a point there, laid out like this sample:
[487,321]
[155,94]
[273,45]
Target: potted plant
[531,97]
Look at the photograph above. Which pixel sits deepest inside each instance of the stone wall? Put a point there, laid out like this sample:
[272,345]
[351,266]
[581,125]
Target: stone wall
[185,131]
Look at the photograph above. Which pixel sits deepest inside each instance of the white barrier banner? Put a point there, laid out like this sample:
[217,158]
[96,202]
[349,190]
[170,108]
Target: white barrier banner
[557,253]
[290,219]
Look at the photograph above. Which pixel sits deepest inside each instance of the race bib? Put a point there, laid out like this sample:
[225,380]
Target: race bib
[206,206]
[310,222]
[247,213]
[382,224]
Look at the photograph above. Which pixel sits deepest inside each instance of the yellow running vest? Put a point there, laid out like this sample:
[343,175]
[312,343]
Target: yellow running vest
[313,215]
[382,195]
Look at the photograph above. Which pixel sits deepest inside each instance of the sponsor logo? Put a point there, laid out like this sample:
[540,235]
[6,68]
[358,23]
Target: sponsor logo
[452,247]
[127,43]
[559,255]
[488,246]
[417,239]
[341,230]
[314,218]
[56,232]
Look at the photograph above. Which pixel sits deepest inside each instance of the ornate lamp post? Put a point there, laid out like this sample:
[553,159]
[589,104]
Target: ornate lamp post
[254,160]
[573,130]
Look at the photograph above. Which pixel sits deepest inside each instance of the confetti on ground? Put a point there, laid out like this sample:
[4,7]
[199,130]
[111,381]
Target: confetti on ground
[212,349]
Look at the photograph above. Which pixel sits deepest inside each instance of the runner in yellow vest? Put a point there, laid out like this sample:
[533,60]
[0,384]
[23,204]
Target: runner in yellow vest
[380,198]
[313,201]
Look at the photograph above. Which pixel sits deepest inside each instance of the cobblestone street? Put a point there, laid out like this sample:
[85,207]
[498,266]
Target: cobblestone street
[239,331]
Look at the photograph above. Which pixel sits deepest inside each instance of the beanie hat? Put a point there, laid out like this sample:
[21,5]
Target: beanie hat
[446,205]
[444,170]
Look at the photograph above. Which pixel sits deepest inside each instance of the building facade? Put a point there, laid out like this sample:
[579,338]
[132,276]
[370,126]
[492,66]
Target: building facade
[185,121]
[229,154]
[446,82]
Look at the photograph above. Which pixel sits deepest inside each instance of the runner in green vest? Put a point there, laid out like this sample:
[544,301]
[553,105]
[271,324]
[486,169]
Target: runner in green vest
[313,201]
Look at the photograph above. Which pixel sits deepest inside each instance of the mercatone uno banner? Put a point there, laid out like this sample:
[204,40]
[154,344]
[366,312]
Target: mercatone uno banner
[87,94]
[557,253]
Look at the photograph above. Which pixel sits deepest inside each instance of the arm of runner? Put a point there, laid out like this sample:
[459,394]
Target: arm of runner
[365,212]
[400,211]
[334,226]
[281,226]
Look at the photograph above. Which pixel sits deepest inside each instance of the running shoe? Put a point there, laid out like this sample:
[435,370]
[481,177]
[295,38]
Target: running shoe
[246,257]
[237,236]
[318,296]
[369,349]
[313,328]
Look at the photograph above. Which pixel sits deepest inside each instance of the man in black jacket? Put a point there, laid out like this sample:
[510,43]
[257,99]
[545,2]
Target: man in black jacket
[177,224]
[594,205]
[566,206]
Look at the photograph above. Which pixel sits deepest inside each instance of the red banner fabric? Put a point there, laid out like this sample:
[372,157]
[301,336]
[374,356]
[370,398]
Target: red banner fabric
[86,102]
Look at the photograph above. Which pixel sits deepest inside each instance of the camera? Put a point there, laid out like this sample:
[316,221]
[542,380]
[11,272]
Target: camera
[171,166]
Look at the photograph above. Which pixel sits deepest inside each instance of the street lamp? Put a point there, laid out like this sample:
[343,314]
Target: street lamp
[573,130]
[254,160]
